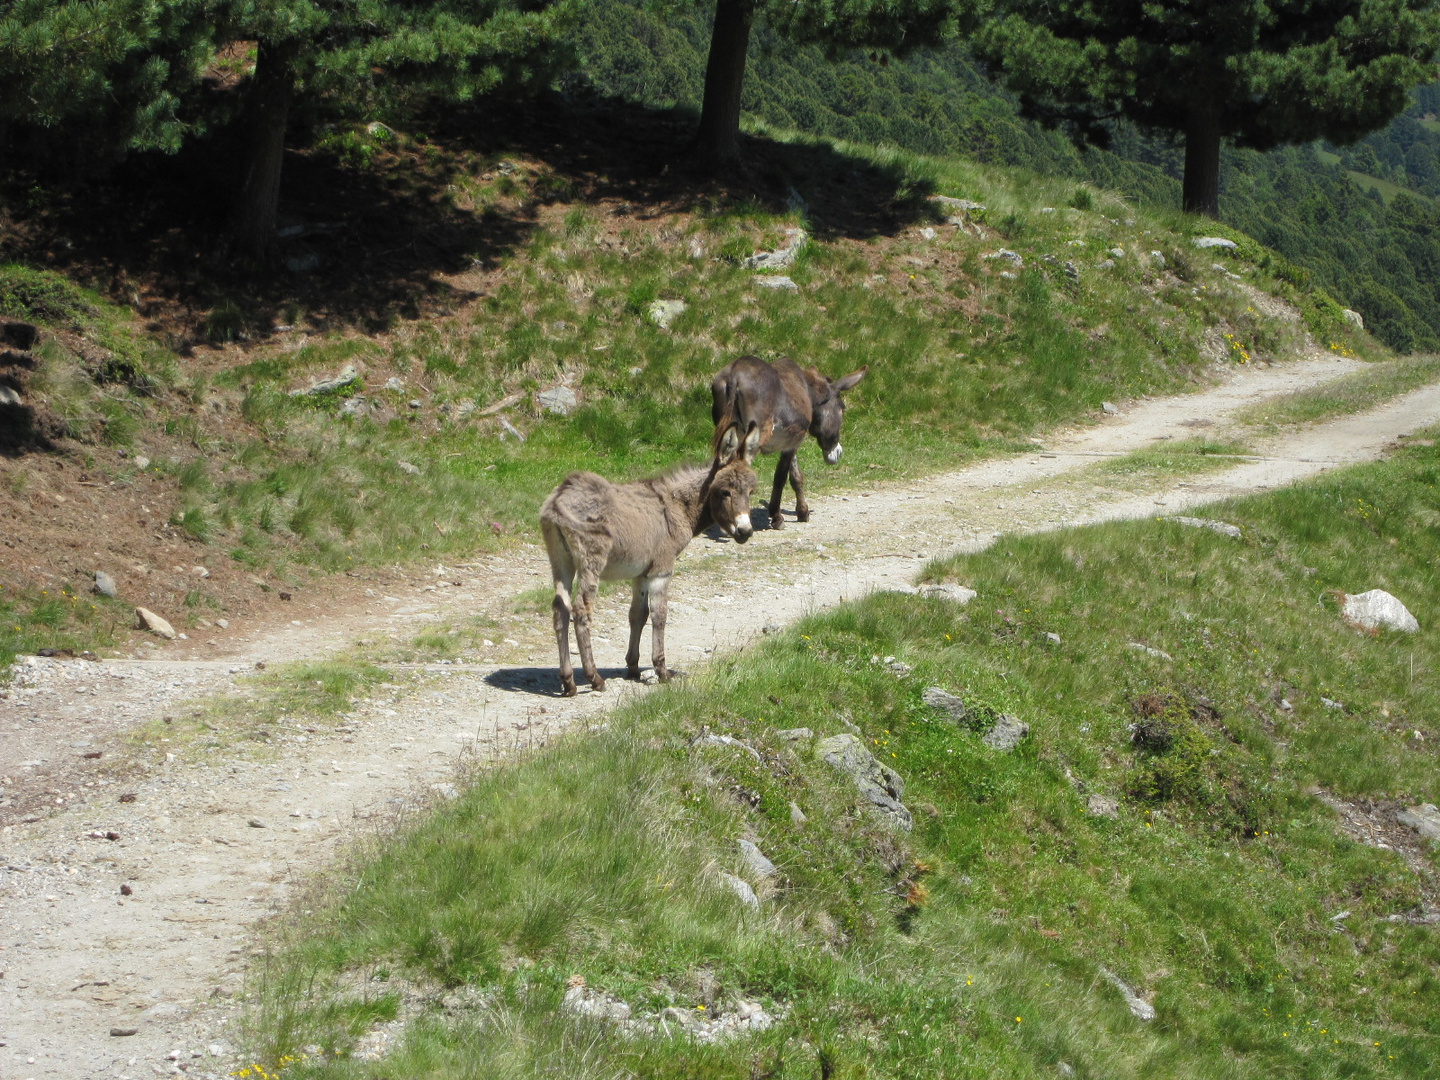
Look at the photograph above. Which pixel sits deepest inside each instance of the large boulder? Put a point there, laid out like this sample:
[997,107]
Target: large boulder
[1378,610]
[880,785]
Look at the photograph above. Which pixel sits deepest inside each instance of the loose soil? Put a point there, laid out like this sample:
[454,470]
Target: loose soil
[210,844]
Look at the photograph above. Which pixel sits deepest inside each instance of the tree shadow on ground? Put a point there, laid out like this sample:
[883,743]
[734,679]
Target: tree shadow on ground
[366,245]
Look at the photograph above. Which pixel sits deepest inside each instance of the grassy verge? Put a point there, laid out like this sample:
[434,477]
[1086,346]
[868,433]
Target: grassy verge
[1353,393]
[1185,457]
[1222,891]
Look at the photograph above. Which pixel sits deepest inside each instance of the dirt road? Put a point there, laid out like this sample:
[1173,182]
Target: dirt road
[207,848]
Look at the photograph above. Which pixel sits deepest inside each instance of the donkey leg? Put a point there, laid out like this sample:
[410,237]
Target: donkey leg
[797,481]
[560,609]
[782,467]
[639,612]
[659,609]
[588,588]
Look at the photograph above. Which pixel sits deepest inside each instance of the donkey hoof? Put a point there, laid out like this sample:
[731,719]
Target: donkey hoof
[777,520]
[597,684]
[633,674]
[569,689]
[663,674]
[802,515]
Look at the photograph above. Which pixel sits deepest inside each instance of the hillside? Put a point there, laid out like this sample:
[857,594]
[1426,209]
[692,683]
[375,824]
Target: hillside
[1374,254]
[185,453]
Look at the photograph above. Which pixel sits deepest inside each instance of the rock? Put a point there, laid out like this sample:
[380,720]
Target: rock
[348,374]
[1158,259]
[142,462]
[1203,242]
[880,785]
[1139,1007]
[19,335]
[770,628]
[406,467]
[1006,734]
[1014,258]
[414,403]
[781,257]
[1102,806]
[898,668]
[1354,318]
[509,430]
[1119,253]
[1052,637]
[958,593]
[946,702]
[797,816]
[927,233]
[355,406]
[1424,819]
[796,734]
[145,619]
[779,281]
[224,624]
[580,1000]
[1047,209]
[560,400]
[1330,703]
[664,312]
[105,585]
[1159,654]
[705,738]
[394,383]
[1378,610]
[1105,264]
[1221,527]
[741,888]
[121,1032]
[1072,271]
[949,203]
[696,247]
[10,396]
[376,130]
[256,823]
[1109,408]
[756,861]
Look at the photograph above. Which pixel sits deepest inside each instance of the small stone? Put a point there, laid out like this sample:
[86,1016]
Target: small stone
[879,784]
[951,203]
[958,593]
[1139,1007]
[1158,259]
[407,467]
[1052,637]
[121,1032]
[770,628]
[779,281]
[10,396]
[346,376]
[1354,318]
[560,400]
[1102,806]
[415,403]
[1119,253]
[1148,650]
[256,823]
[1109,408]
[1204,242]
[1331,703]
[1072,272]
[1378,610]
[1007,733]
[105,585]
[664,312]
[1014,258]
[145,619]
[511,431]
[1424,819]
[224,624]
[795,734]
[755,859]
[1224,528]
[741,888]
[946,702]
[142,462]
[1105,264]
[394,383]
[797,816]
[927,233]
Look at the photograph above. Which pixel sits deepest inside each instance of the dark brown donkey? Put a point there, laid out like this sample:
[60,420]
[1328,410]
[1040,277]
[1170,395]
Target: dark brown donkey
[787,403]
[617,532]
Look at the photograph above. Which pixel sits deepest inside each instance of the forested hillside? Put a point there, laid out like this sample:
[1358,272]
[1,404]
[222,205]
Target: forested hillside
[1361,219]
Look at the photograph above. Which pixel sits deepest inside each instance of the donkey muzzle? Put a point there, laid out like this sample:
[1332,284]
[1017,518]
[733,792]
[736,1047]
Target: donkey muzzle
[742,530]
[832,456]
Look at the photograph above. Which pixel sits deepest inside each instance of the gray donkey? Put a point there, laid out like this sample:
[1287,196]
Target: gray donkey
[788,402]
[617,532]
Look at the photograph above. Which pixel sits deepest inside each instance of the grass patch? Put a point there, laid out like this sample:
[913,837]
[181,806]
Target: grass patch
[971,946]
[1187,457]
[1353,393]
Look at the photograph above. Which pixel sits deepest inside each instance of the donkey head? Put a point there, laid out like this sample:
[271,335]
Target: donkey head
[827,408]
[733,481]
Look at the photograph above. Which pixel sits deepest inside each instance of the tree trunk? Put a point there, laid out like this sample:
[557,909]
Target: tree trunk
[717,143]
[1202,163]
[269,110]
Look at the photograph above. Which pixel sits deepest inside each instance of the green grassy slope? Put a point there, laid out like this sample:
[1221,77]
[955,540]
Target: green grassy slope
[1269,942]
[968,355]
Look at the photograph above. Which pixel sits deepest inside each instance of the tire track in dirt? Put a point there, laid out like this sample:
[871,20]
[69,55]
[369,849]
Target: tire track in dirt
[79,959]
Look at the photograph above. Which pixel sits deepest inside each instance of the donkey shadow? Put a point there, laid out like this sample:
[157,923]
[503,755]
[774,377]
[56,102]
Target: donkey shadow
[540,681]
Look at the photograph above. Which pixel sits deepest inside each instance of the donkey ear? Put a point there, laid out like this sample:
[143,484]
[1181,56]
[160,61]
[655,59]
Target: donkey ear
[848,382]
[729,443]
[752,443]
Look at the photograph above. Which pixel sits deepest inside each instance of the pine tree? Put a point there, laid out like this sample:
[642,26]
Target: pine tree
[343,52]
[112,74]
[892,25]
[1259,73]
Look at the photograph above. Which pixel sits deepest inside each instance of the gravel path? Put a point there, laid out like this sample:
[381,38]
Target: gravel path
[208,847]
